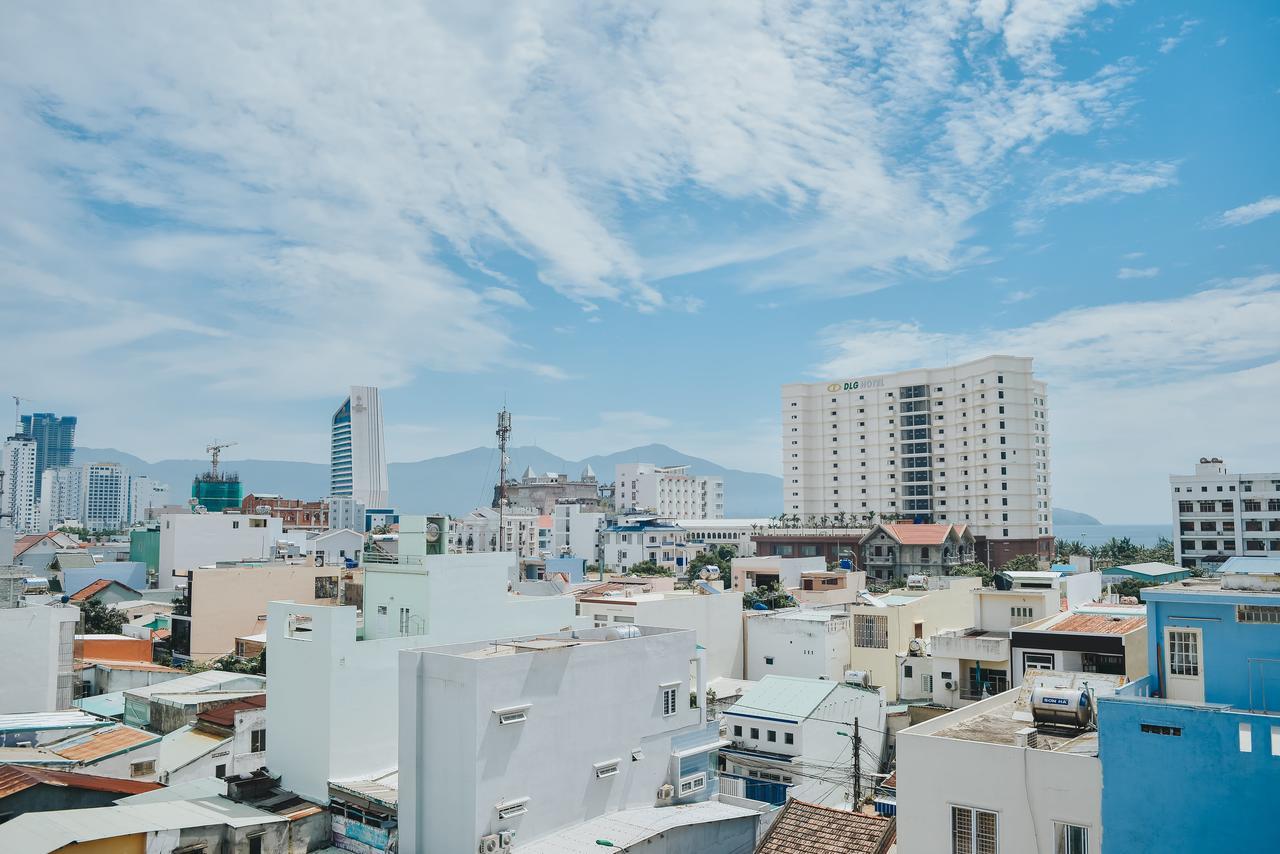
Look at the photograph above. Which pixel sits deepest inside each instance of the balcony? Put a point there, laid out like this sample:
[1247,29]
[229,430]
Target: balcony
[971,643]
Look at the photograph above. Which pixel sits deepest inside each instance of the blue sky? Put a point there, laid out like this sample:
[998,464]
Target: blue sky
[635,223]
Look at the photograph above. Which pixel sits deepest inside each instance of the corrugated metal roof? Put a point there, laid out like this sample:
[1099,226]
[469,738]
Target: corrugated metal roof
[208,680]
[101,743]
[50,831]
[1097,624]
[29,721]
[17,778]
[226,715]
[183,746]
[104,705]
[784,696]
[630,827]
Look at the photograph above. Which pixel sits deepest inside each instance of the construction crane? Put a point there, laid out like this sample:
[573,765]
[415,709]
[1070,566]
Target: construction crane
[17,411]
[215,450]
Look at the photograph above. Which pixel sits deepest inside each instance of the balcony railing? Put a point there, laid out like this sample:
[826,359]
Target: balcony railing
[970,644]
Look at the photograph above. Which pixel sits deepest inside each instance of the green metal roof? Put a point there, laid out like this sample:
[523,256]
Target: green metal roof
[784,697]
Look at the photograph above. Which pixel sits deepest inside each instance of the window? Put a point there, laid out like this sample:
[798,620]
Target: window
[235,525]
[1246,738]
[1158,729]
[257,523]
[1184,654]
[606,769]
[1037,661]
[1019,614]
[257,740]
[973,831]
[220,771]
[1258,614]
[689,785]
[1070,839]
[755,733]
[142,769]
[255,843]
[926,682]
[737,730]
[669,700]
[772,735]
[870,631]
[788,738]
[326,587]
[768,659]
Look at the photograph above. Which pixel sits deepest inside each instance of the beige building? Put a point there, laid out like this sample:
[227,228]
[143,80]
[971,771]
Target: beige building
[229,601]
[881,633]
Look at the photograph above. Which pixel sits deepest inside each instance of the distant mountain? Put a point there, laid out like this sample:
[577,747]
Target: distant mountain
[1062,516]
[451,484]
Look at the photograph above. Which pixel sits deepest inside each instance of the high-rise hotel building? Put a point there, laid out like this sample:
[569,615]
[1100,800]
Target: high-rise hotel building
[358,459]
[966,444]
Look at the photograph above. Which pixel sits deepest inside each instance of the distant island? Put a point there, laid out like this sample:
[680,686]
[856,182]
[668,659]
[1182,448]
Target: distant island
[1062,516]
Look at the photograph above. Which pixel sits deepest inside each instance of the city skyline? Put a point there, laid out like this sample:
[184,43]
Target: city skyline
[1091,187]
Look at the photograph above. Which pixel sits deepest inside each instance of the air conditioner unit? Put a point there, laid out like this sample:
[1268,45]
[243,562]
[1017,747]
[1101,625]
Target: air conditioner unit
[949,685]
[666,791]
[505,839]
[490,844]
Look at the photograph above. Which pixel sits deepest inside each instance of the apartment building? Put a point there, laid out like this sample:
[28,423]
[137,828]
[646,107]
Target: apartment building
[1218,514]
[18,483]
[966,444]
[190,540]
[668,491]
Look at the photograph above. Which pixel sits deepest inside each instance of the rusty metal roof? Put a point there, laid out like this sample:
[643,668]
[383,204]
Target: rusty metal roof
[225,716]
[802,828]
[1097,624]
[18,778]
[102,743]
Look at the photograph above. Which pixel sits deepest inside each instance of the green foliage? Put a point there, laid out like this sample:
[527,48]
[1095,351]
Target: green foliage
[231,664]
[719,559]
[1118,551]
[86,534]
[648,567]
[99,619]
[1022,563]
[771,596]
[974,569]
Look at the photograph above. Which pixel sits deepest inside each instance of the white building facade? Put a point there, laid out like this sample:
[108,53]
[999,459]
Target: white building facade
[668,491]
[36,672]
[519,739]
[60,496]
[576,531]
[18,484]
[1218,514]
[358,458]
[191,540]
[962,444]
[106,497]
[711,533]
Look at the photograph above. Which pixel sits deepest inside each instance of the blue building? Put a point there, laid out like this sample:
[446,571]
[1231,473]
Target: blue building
[1191,753]
[55,441]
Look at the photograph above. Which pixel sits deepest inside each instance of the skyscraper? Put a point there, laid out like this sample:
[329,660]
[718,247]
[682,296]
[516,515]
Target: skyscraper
[18,487]
[55,441]
[358,460]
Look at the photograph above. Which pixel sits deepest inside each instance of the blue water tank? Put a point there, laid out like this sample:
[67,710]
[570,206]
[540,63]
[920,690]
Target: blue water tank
[845,563]
[760,606]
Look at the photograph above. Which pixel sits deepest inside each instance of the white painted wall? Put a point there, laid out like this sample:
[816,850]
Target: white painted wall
[189,540]
[717,619]
[1029,789]
[34,653]
[587,704]
[808,644]
[993,608]
[324,680]
[1081,588]
[789,569]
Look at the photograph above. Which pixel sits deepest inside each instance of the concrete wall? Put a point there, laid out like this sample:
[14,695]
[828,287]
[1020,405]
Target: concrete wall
[323,679]
[1080,588]
[789,569]
[587,704]
[1029,789]
[993,608]
[190,540]
[717,619]
[31,655]
[126,572]
[799,647]
[229,602]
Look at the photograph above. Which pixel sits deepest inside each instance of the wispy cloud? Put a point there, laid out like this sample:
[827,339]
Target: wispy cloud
[1019,296]
[1137,272]
[1184,29]
[1252,212]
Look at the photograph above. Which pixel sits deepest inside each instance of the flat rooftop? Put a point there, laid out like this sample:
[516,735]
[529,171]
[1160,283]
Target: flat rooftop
[549,642]
[999,725]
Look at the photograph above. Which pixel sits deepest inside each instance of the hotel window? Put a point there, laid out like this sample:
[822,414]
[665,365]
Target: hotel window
[973,831]
[1070,839]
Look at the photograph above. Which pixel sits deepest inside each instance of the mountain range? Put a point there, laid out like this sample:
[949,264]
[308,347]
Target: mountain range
[459,482]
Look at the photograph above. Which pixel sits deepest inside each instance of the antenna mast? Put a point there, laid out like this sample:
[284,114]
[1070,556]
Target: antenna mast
[504,433]
[215,450]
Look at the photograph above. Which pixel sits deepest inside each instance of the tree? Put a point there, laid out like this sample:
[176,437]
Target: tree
[980,570]
[710,560]
[1022,563]
[232,664]
[771,596]
[99,619]
[648,567]
[1070,548]
[1132,586]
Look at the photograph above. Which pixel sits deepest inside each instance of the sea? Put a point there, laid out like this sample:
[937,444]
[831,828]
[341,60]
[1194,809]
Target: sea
[1096,535]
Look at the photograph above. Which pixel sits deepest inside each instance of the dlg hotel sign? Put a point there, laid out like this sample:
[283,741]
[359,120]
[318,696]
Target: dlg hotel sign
[854,385]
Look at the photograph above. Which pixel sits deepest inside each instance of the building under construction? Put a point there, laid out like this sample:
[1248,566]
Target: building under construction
[217,490]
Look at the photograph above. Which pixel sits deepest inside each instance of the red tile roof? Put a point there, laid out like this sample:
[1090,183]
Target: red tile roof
[89,591]
[24,543]
[225,716]
[921,535]
[802,828]
[18,778]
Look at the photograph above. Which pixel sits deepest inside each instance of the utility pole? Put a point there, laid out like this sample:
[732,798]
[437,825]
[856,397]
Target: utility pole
[504,433]
[857,764]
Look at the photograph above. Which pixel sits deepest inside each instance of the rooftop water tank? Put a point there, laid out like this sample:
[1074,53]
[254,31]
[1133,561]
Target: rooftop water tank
[1063,706]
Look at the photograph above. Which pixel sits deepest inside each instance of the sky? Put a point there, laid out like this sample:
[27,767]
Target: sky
[634,221]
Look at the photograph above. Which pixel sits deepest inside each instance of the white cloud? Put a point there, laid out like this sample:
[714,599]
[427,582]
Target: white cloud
[1019,296]
[1089,183]
[1184,29]
[1132,256]
[507,297]
[1137,272]
[635,420]
[1252,212]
